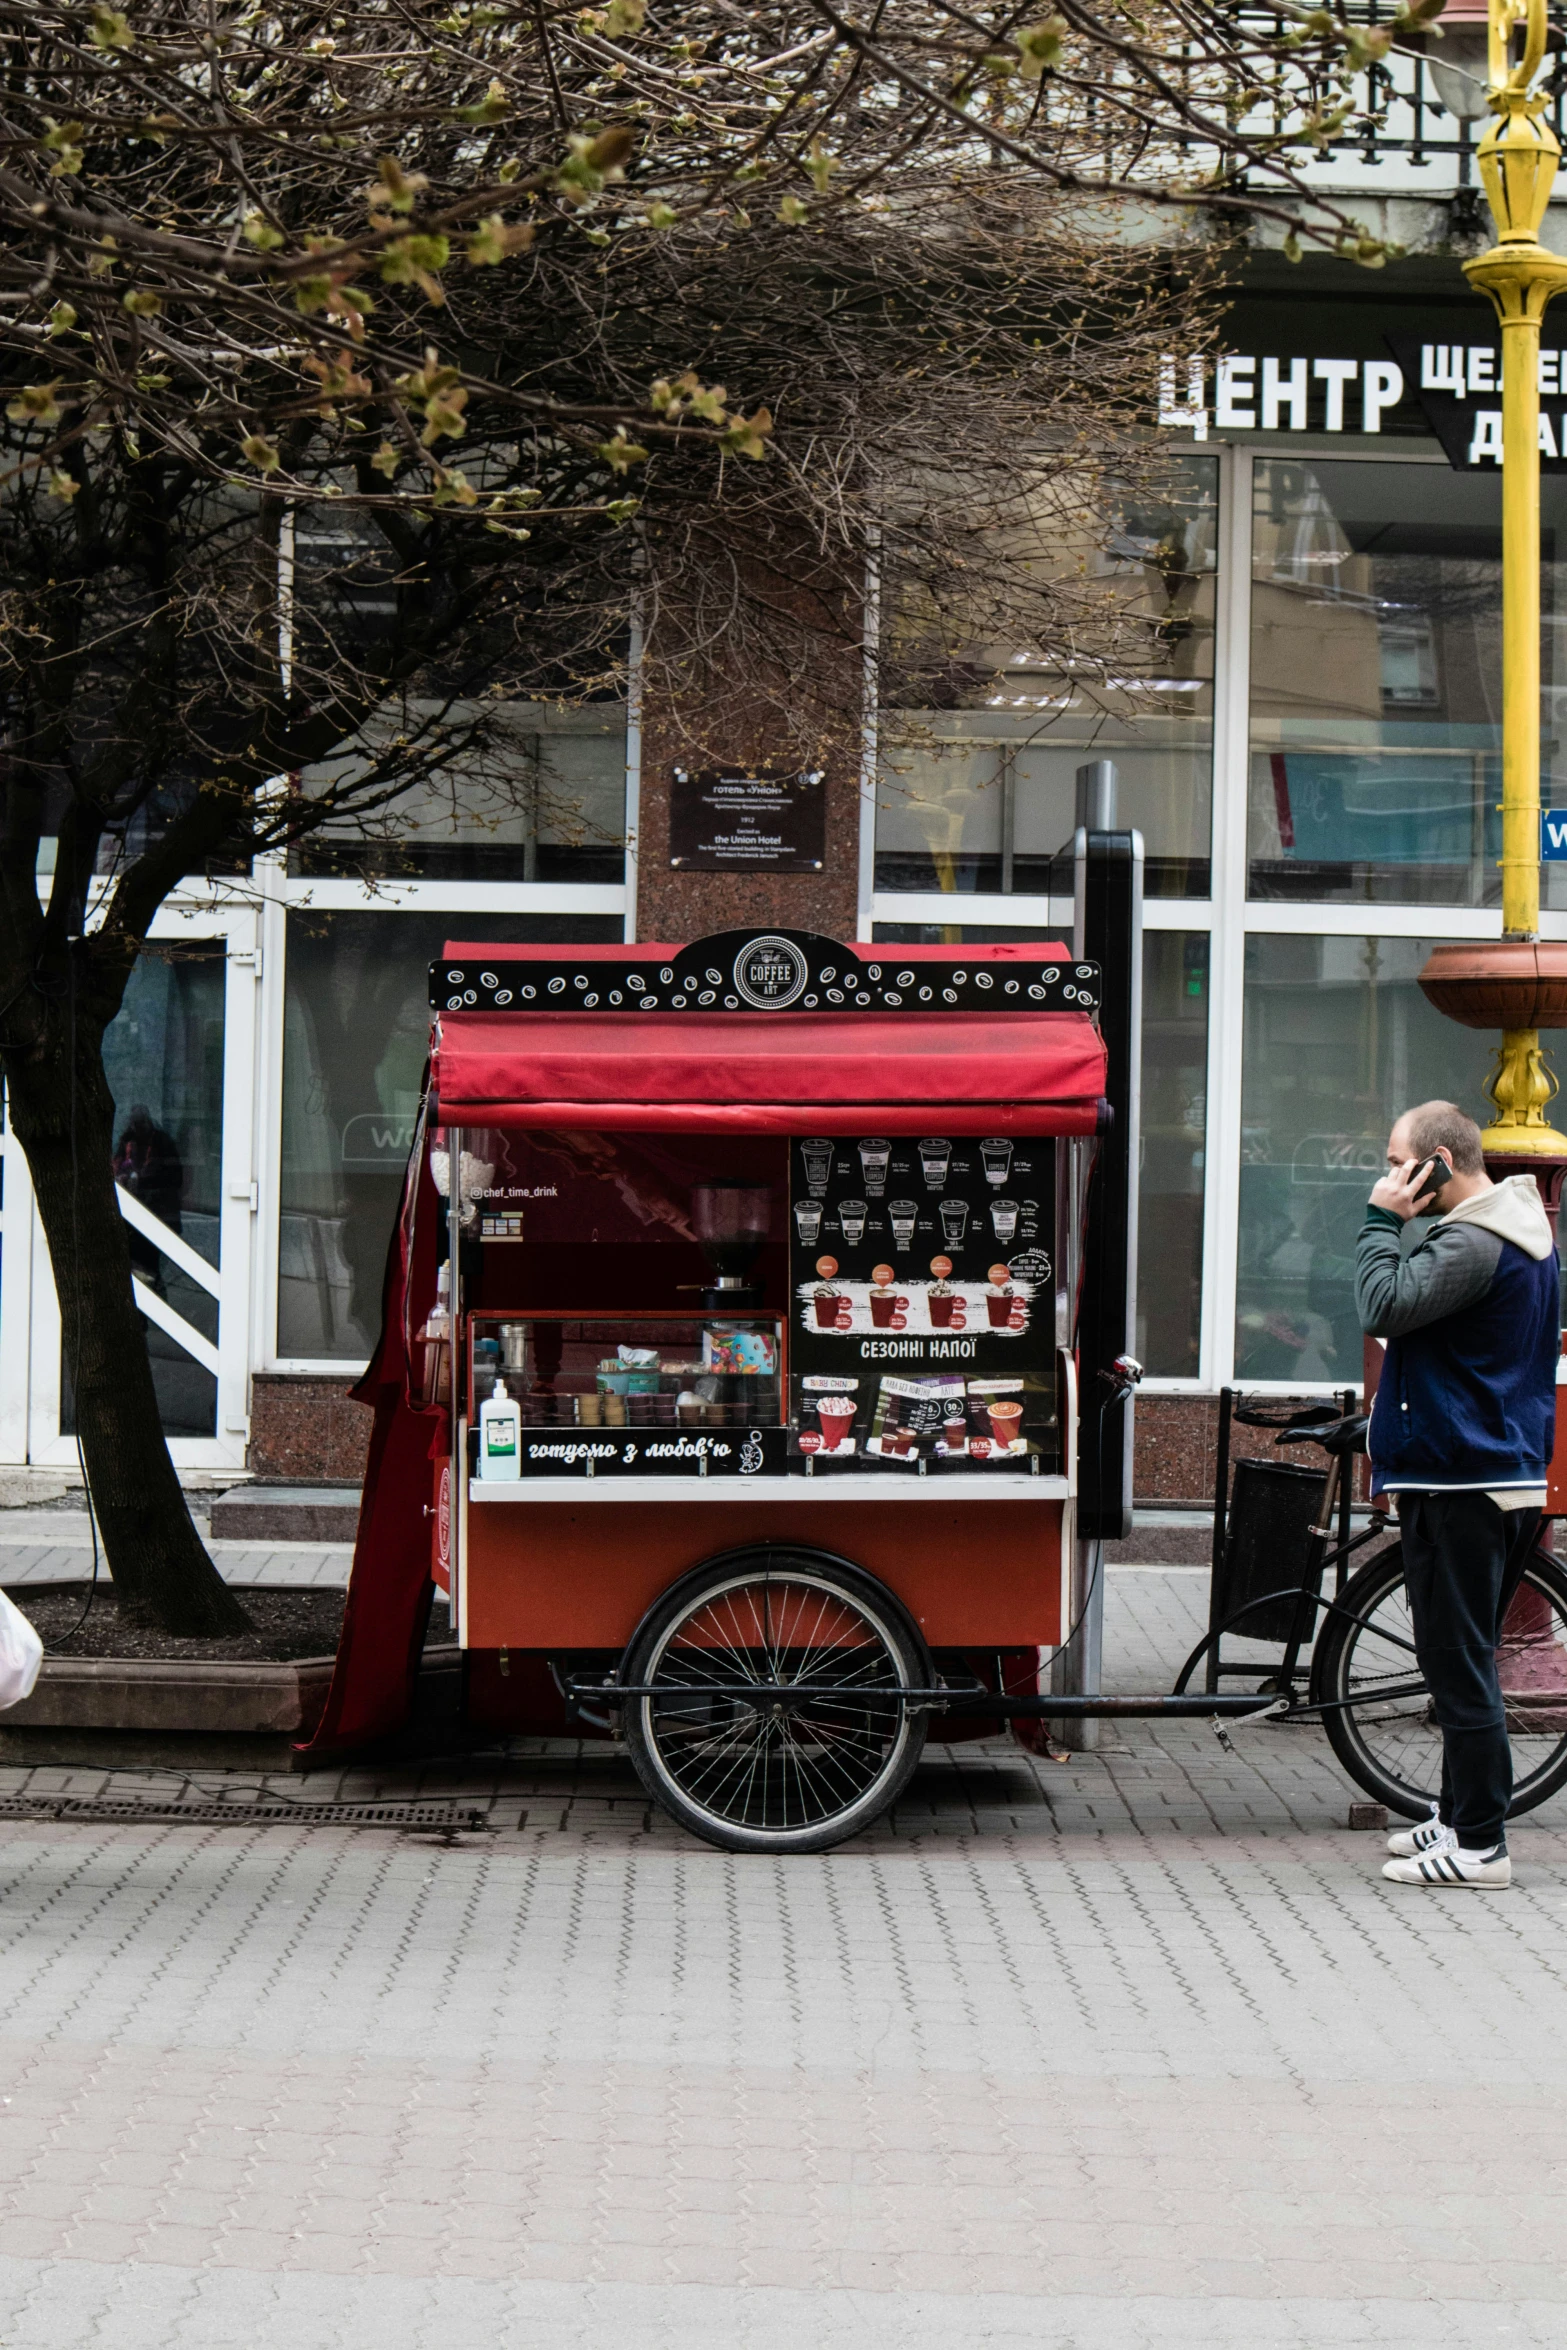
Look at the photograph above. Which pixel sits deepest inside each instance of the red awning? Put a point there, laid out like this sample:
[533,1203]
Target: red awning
[771,1072]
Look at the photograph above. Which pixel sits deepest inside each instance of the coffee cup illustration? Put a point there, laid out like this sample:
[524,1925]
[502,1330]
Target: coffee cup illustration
[955,1432]
[851,1215]
[998,1305]
[827,1303]
[1005,1420]
[886,1305]
[954,1221]
[808,1219]
[874,1155]
[996,1157]
[1003,1220]
[817,1155]
[902,1213]
[935,1158]
[836,1413]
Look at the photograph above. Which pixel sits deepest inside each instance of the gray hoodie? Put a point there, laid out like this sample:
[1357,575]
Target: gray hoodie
[1453,1262]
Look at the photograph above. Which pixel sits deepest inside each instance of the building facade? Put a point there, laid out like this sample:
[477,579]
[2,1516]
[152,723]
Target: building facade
[1311,749]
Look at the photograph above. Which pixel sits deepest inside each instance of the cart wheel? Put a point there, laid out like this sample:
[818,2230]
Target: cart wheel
[787,1776]
[1380,1722]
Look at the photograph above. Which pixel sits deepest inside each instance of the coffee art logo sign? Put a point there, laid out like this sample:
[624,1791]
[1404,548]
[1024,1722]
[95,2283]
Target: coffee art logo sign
[771,973]
[768,971]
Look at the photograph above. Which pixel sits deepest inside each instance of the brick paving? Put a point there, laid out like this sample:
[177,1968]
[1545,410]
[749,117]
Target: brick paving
[1134,2049]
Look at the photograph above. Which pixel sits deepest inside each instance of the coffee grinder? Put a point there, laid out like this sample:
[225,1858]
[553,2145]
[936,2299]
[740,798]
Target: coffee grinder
[731,1220]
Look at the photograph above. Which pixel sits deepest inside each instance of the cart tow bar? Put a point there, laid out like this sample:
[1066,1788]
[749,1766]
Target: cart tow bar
[582,1695]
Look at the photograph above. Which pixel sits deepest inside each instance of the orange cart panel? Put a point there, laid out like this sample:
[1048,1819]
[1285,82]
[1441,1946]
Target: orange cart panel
[556,1575]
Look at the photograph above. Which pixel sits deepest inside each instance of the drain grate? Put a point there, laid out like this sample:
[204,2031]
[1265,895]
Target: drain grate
[466,1821]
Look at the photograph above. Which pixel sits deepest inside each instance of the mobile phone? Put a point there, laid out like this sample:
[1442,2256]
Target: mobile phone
[1443,1176]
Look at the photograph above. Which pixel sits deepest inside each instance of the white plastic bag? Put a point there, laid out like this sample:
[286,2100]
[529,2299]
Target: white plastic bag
[21,1654]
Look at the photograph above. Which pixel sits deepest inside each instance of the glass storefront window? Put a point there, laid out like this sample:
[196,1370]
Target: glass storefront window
[1174,1152]
[356,1032]
[546,801]
[980,794]
[1173,1179]
[1376,681]
[163,1057]
[1338,1040]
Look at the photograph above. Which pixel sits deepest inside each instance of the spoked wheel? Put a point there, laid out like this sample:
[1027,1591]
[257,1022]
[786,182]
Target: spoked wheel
[794,1771]
[1379,1719]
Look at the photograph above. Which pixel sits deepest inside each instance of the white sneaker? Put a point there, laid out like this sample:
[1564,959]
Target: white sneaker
[1485,1871]
[1432,1835]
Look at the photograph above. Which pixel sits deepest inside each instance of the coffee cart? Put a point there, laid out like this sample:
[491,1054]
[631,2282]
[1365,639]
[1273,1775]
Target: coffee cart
[728,1395]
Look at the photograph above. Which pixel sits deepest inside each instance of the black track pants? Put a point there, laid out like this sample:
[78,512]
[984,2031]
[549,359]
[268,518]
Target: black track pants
[1463,1560]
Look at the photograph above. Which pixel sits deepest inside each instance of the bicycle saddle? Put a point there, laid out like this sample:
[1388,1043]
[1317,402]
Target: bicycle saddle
[1257,1415]
[1334,1435]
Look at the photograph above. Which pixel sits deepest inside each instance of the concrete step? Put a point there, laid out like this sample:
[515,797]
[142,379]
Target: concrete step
[286,1513]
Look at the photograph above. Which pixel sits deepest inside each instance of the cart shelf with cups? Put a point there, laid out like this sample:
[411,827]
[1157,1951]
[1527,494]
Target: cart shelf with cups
[729,1388]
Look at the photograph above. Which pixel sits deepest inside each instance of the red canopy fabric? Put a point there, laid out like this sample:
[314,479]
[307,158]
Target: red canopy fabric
[997,951]
[771,1072]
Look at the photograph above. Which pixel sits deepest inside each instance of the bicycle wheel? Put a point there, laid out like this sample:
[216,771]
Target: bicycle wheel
[801,1771]
[1379,1719]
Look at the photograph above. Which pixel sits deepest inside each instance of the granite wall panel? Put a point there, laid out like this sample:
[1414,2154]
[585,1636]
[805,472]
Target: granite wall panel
[306,1431]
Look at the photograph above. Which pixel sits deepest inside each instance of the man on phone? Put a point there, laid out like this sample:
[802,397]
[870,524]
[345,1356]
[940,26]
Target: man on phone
[1461,1432]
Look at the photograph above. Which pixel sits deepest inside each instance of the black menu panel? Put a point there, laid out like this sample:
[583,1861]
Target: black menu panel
[922,1301]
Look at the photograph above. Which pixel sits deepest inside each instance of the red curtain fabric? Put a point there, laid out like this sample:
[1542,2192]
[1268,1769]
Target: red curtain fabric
[772,1072]
[389,1586]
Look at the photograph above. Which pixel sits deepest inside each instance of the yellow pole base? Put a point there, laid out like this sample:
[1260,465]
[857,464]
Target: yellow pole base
[1520,1086]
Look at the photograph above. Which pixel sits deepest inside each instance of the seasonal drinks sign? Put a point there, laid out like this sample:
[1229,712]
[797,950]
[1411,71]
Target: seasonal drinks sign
[923,1303]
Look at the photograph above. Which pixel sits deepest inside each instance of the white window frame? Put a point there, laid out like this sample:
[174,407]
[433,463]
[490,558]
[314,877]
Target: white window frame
[30,1321]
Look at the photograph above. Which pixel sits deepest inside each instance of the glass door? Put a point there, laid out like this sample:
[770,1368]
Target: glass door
[180,1060]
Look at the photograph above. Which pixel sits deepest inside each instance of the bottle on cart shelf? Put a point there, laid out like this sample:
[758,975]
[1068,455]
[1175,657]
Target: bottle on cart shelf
[500,1435]
[433,1344]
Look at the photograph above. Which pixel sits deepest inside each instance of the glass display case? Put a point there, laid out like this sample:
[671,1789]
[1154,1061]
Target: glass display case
[616,1371]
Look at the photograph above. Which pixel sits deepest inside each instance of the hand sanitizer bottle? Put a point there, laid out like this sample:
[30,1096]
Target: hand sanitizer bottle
[500,1435]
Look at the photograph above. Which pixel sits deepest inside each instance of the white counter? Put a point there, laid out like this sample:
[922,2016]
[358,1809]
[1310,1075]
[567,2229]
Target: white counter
[1000,1485]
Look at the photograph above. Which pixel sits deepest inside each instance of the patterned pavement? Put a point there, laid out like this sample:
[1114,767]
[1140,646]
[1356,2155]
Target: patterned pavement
[1128,2050]
[55,1546]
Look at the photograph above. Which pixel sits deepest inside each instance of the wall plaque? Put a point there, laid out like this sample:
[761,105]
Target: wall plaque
[747,820]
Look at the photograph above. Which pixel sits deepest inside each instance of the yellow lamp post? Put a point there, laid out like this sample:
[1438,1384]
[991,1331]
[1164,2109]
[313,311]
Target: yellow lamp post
[1520,985]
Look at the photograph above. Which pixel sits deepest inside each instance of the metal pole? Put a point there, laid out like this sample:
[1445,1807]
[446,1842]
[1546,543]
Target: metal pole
[1096,796]
[1218,1602]
[1518,159]
[1107,926]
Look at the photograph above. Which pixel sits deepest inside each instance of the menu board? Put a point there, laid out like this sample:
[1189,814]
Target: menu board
[922,1298]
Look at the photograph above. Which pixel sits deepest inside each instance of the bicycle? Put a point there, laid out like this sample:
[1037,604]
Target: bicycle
[1361,1679]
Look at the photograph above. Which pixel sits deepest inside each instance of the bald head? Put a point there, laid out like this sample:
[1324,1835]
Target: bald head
[1438,1128]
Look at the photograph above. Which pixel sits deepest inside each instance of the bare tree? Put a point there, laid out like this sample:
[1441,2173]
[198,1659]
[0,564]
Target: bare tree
[361,362]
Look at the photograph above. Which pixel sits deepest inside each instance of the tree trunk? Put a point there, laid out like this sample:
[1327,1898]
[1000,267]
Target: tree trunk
[162,1574]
